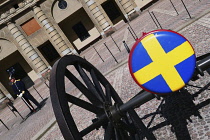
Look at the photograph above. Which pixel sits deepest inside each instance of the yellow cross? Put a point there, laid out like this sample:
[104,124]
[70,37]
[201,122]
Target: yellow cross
[163,63]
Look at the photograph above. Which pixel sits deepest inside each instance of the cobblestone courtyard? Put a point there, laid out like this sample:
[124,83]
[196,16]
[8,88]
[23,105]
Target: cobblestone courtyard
[195,118]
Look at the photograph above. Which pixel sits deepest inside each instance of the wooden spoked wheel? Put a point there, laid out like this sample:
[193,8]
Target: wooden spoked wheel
[98,98]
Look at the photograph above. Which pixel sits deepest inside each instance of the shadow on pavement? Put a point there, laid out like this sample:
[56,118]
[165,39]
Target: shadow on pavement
[43,102]
[177,109]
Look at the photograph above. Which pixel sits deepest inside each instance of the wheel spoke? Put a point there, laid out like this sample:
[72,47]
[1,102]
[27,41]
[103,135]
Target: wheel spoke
[137,137]
[123,134]
[140,125]
[101,121]
[114,95]
[127,127]
[117,134]
[97,84]
[87,81]
[83,104]
[91,97]
[108,94]
[109,131]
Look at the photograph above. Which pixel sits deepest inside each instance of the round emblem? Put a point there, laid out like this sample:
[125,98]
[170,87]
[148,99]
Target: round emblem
[62,4]
[162,61]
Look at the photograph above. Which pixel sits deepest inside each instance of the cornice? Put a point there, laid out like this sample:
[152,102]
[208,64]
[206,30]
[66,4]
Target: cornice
[8,15]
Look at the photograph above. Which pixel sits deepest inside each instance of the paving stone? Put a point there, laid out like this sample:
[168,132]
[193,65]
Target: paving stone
[196,32]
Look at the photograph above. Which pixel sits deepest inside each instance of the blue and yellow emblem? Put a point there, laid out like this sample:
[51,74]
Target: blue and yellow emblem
[162,61]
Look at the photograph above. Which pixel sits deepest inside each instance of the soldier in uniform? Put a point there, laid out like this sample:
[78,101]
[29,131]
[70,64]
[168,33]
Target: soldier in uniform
[19,89]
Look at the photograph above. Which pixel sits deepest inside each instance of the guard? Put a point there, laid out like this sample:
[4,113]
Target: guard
[19,89]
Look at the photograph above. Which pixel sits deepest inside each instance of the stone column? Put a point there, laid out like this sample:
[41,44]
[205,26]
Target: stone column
[61,46]
[4,92]
[128,7]
[28,51]
[97,15]
[2,95]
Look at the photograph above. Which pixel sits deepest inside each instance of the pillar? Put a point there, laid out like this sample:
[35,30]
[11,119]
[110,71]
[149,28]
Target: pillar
[61,46]
[27,50]
[4,92]
[97,15]
[128,7]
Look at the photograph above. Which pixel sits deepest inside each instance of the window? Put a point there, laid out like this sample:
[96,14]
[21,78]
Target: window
[16,6]
[111,10]
[30,26]
[62,4]
[17,71]
[49,52]
[81,31]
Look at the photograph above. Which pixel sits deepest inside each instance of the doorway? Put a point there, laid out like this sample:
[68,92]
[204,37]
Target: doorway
[49,52]
[20,73]
[113,11]
[16,63]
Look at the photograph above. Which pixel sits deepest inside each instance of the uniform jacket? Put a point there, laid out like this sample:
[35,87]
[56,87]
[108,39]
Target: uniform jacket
[18,87]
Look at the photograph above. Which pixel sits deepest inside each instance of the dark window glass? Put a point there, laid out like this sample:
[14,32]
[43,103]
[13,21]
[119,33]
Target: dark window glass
[49,52]
[62,4]
[16,6]
[111,10]
[17,71]
[81,31]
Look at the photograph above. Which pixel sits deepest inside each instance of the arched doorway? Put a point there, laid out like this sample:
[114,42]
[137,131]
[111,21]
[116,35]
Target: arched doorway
[12,61]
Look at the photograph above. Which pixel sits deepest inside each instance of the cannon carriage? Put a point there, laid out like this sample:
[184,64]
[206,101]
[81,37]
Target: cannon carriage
[119,120]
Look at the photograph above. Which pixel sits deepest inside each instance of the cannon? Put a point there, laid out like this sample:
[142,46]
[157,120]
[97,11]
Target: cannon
[162,62]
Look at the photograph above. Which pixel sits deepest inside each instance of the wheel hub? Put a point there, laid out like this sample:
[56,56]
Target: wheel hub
[113,112]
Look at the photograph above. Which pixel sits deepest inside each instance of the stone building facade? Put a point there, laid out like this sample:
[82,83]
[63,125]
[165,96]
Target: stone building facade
[35,33]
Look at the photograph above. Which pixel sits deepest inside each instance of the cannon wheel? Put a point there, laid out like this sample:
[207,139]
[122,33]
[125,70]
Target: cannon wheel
[103,101]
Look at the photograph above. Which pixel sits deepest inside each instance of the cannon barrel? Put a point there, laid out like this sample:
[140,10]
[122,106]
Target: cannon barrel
[203,65]
[138,100]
